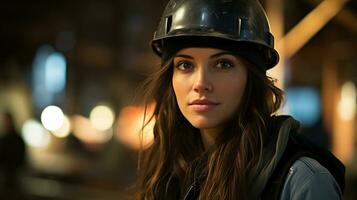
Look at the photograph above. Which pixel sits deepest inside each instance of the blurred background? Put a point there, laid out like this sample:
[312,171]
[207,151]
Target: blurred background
[69,77]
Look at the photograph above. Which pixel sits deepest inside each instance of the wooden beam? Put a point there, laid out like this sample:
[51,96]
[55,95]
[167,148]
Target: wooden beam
[311,24]
[275,12]
[346,17]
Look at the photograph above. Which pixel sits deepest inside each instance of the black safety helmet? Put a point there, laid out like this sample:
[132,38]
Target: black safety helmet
[239,25]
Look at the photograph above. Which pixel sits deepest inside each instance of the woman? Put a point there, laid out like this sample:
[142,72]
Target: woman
[215,133]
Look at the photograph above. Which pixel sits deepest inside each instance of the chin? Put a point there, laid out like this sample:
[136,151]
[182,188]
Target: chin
[203,124]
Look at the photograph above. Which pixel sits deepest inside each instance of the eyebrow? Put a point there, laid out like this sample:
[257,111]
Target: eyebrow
[212,56]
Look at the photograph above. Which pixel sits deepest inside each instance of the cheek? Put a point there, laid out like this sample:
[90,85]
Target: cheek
[239,88]
[180,88]
[233,91]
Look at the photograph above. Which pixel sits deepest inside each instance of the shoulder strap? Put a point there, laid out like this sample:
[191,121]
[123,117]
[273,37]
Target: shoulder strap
[276,181]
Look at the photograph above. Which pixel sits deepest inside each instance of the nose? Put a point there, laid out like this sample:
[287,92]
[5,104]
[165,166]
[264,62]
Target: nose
[202,82]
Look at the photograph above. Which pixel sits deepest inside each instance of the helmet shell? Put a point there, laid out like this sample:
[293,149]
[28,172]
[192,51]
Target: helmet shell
[239,21]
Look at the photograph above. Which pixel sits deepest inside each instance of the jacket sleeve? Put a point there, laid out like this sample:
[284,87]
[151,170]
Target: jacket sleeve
[309,180]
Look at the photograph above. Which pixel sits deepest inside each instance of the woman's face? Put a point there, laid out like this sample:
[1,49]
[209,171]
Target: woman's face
[209,84]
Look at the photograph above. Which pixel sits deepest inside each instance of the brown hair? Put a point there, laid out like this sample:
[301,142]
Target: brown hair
[177,157]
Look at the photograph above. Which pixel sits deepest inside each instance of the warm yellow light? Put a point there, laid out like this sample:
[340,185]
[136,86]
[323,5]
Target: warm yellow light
[296,38]
[52,118]
[34,134]
[102,117]
[64,130]
[347,103]
[85,131]
[129,130]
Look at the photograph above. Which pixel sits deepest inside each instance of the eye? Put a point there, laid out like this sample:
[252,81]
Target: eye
[184,66]
[224,64]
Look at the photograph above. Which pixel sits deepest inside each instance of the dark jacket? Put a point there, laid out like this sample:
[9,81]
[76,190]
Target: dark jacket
[294,168]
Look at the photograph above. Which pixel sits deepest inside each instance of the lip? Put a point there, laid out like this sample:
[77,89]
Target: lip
[202,104]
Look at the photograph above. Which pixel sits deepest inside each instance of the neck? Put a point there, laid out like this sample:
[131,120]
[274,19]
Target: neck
[209,136]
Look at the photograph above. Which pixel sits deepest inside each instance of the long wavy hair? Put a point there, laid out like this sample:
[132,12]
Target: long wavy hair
[177,158]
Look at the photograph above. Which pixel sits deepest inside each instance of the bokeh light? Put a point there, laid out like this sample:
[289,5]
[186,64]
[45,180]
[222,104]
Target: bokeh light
[64,130]
[347,104]
[34,134]
[102,117]
[85,131]
[48,76]
[52,118]
[55,72]
[129,128]
[303,103]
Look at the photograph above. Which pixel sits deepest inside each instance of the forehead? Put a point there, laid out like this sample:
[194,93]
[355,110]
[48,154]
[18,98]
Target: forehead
[201,51]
